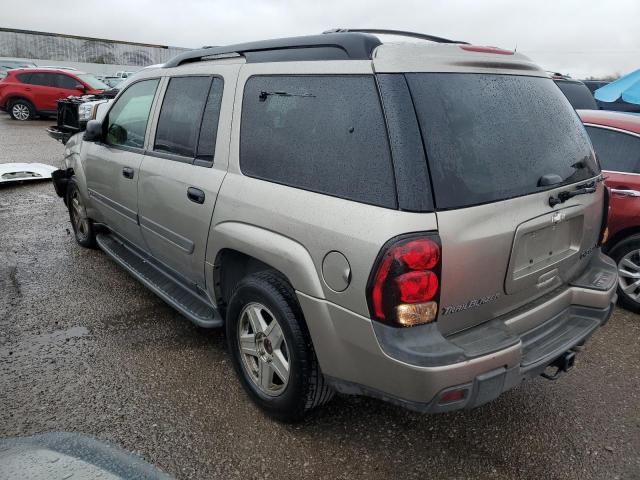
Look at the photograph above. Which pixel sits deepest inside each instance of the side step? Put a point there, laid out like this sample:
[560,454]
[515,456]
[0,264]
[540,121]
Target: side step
[193,306]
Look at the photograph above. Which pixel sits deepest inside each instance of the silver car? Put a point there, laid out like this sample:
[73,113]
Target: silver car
[417,222]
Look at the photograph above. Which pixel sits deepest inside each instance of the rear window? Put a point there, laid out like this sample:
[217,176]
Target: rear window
[578,94]
[325,134]
[492,137]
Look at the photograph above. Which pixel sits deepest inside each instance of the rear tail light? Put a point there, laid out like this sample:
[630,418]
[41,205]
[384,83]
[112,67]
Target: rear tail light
[482,49]
[404,286]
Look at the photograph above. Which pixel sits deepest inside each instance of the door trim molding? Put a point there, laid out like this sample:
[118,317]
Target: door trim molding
[115,206]
[177,240]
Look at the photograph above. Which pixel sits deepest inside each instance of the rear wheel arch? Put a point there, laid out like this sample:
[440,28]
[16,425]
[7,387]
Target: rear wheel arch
[619,237]
[258,248]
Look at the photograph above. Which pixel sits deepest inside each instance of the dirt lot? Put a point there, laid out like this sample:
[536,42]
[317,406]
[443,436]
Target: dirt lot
[85,348]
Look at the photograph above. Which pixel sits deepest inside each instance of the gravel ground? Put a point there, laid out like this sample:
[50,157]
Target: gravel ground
[85,348]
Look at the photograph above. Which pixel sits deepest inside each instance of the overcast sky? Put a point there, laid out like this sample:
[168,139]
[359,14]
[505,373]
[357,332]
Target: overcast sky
[579,37]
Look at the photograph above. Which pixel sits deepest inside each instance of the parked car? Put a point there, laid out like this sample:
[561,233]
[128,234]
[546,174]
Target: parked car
[113,81]
[576,92]
[618,106]
[27,92]
[284,191]
[616,140]
[123,74]
[9,64]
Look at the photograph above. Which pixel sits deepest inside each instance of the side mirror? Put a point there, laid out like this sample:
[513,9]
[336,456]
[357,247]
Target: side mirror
[81,87]
[93,132]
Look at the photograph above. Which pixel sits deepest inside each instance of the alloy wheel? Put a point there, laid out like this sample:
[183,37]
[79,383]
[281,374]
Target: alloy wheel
[20,111]
[78,216]
[629,275]
[263,349]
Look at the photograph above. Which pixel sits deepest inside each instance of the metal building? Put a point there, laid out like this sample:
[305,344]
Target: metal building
[96,55]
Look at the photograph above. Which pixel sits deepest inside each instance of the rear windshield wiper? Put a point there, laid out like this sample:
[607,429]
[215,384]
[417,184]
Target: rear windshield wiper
[589,187]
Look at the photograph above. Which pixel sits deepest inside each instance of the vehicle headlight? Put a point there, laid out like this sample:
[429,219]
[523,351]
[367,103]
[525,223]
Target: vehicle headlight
[86,112]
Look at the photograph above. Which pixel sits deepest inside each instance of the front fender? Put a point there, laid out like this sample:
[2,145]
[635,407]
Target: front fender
[278,251]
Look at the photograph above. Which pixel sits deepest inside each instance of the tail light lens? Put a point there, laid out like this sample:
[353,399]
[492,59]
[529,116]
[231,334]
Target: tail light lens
[404,286]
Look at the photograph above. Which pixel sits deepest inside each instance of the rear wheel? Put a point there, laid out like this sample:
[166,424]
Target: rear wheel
[21,110]
[627,256]
[83,229]
[272,350]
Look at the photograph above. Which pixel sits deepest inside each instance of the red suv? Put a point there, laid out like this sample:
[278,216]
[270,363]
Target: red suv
[27,92]
[616,139]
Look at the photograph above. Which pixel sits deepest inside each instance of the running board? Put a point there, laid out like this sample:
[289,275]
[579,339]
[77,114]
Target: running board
[193,306]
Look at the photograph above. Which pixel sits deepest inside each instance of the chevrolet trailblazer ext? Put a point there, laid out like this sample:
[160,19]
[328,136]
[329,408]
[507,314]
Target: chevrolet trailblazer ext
[419,222]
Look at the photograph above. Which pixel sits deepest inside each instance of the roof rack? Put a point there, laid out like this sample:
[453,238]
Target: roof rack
[338,46]
[400,33]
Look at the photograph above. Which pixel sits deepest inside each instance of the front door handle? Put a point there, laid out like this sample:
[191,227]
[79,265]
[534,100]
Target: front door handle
[127,172]
[195,195]
[625,192]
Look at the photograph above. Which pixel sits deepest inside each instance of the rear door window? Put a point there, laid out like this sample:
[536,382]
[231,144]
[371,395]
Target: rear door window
[43,79]
[616,151]
[325,134]
[181,115]
[492,137]
[209,128]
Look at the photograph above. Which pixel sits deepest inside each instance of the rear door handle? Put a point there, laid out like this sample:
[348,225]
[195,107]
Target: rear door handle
[623,192]
[127,172]
[195,195]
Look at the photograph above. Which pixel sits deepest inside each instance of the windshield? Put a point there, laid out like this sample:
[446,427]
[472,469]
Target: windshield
[93,82]
[492,137]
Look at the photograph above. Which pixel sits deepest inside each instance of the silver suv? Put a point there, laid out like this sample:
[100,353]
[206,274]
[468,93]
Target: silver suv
[418,222]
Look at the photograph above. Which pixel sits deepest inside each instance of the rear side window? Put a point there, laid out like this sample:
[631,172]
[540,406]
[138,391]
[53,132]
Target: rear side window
[42,79]
[616,151]
[181,115]
[325,134]
[492,137]
[24,77]
[578,94]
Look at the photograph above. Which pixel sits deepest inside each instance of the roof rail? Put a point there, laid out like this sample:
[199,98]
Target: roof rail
[335,46]
[400,33]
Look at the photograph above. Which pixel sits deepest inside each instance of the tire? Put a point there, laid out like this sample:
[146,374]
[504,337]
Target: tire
[22,110]
[83,228]
[267,298]
[626,254]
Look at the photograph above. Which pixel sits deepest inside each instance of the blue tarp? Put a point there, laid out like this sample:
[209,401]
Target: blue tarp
[627,87]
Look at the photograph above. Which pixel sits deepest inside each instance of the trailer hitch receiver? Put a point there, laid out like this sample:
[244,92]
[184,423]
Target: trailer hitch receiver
[562,364]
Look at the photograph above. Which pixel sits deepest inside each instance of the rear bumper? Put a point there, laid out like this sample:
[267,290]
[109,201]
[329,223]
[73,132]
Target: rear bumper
[415,367]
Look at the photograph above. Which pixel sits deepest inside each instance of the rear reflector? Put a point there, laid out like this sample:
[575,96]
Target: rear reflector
[479,49]
[452,396]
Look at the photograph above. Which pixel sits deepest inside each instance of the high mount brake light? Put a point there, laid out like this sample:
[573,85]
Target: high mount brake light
[404,285]
[480,49]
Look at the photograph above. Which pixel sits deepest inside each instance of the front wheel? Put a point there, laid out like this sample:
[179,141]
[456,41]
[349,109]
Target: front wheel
[83,229]
[627,256]
[271,348]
